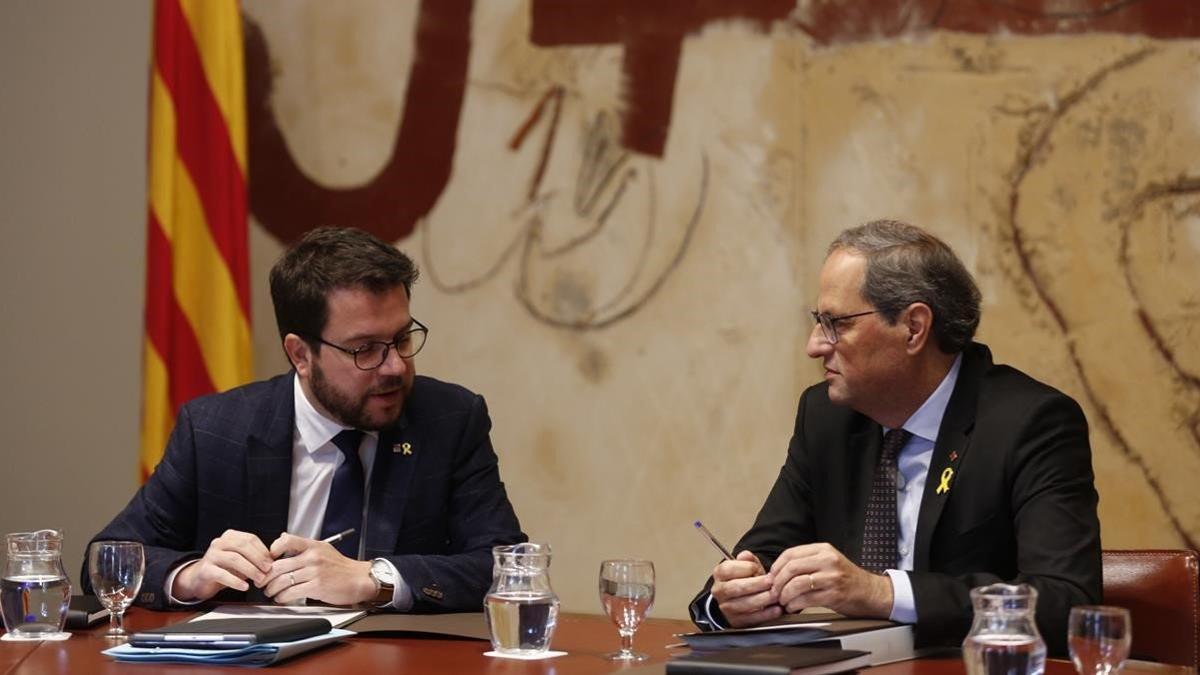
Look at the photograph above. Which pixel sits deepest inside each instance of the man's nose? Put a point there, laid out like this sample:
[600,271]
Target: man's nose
[393,363]
[818,345]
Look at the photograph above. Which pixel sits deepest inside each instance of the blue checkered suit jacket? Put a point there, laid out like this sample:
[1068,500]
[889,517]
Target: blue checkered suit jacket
[435,513]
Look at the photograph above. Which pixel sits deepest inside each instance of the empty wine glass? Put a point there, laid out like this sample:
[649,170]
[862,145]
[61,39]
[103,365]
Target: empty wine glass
[115,569]
[627,593]
[1099,638]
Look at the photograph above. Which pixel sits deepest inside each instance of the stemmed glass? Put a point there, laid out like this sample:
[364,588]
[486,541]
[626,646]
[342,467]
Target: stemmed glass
[1099,638]
[116,569]
[627,593]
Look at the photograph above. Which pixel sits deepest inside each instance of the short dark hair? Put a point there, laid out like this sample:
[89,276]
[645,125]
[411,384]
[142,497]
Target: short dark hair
[906,264]
[326,259]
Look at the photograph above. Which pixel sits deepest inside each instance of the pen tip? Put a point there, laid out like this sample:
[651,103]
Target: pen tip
[698,524]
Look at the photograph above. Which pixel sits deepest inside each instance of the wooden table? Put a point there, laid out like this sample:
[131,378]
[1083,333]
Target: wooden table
[585,637]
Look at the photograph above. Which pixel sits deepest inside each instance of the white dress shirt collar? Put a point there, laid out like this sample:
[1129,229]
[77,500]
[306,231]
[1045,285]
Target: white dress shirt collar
[926,421]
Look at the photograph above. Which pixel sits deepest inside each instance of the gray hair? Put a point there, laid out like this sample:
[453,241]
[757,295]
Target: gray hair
[906,264]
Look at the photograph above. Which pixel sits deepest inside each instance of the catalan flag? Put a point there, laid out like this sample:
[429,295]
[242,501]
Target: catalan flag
[197,274]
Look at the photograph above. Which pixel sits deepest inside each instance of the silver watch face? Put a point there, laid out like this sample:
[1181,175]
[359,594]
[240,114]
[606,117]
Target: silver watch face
[382,572]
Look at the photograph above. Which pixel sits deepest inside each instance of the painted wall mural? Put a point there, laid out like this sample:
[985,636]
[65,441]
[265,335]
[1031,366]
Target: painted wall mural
[620,208]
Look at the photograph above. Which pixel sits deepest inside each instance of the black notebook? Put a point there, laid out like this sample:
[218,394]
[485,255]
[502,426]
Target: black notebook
[793,630]
[772,660]
[84,611]
[230,633]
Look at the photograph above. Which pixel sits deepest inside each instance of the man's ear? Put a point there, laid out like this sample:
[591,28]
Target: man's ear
[299,353]
[918,321]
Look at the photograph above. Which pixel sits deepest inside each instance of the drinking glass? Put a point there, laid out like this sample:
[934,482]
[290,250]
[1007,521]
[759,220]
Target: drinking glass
[1099,637]
[627,593]
[116,569]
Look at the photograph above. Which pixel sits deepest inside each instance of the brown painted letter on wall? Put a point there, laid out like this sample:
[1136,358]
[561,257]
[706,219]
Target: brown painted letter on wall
[288,203]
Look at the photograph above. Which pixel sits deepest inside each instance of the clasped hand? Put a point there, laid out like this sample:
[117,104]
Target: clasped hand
[810,575]
[293,568]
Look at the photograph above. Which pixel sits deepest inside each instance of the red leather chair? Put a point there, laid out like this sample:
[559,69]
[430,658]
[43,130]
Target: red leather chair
[1161,590]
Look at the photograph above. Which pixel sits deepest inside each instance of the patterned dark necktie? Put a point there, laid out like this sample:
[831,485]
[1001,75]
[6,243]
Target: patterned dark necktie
[881,527]
[345,506]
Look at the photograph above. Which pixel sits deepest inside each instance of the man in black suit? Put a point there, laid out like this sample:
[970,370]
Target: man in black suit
[984,474]
[254,479]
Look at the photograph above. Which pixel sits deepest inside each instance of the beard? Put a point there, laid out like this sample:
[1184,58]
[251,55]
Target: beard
[350,411]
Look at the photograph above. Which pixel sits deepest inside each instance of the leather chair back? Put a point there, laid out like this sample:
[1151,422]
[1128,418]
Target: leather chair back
[1161,590]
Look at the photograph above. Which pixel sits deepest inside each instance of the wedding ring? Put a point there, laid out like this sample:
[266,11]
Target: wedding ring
[292,576]
[812,585]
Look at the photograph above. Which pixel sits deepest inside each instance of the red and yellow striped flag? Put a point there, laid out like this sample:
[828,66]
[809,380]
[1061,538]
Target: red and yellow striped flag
[197,260]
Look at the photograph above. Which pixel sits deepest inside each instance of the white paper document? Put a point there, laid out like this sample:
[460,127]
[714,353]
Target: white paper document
[337,616]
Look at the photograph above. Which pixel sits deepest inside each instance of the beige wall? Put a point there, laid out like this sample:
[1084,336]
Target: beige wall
[72,176]
[612,441]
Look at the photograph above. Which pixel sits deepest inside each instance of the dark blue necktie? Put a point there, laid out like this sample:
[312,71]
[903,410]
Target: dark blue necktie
[345,506]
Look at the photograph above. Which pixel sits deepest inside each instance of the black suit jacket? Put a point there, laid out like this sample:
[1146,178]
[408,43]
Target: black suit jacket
[435,513]
[1020,508]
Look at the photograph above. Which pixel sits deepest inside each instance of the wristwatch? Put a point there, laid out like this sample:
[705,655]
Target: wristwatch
[385,582]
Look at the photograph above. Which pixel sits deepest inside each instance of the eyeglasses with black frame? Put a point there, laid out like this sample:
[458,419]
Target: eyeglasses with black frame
[371,355]
[828,323]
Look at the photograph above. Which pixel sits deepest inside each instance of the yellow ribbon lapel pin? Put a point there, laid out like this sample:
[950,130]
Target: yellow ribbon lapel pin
[944,486]
[404,448]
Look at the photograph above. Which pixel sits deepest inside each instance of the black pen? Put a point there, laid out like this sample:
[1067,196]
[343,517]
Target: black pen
[709,535]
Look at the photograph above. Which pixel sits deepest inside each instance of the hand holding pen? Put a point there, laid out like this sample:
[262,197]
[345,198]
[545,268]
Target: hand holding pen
[742,587]
[315,570]
[235,560]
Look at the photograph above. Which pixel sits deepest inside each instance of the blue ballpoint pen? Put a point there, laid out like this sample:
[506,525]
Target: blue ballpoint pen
[709,535]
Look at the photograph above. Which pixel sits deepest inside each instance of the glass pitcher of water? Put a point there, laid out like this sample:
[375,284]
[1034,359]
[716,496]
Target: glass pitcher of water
[35,590]
[1004,639]
[521,608]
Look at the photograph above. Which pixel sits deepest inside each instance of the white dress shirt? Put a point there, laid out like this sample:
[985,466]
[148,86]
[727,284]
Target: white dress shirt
[912,469]
[315,459]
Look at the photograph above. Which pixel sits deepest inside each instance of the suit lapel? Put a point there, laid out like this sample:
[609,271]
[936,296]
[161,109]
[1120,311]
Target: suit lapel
[954,439]
[269,471]
[948,452]
[396,457]
[269,466]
